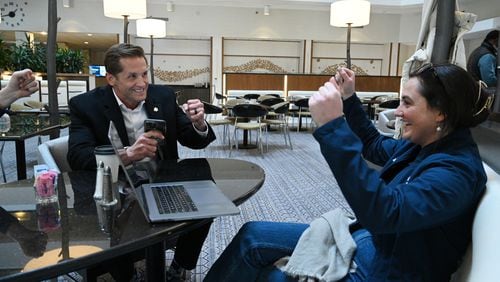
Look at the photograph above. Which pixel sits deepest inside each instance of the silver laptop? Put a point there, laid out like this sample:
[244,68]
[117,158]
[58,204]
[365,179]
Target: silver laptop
[173,200]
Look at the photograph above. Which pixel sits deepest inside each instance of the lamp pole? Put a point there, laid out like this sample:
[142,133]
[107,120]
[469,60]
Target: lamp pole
[348,55]
[51,66]
[125,28]
[151,70]
[151,27]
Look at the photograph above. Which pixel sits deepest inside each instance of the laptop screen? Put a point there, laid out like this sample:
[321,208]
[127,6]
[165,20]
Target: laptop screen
[151,171]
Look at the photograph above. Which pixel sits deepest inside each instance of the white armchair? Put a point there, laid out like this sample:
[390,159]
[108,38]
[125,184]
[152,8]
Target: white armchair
[483,256]
[384,118]
[53,153]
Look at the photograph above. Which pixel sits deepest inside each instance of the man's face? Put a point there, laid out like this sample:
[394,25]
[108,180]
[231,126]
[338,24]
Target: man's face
[131,84]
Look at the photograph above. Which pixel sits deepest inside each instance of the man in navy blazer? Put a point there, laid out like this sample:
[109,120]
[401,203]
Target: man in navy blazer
[128,100]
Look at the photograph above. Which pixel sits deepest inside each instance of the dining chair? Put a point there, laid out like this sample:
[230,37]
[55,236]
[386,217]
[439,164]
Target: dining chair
[373,103]
[214,111]
[15,107]
[270,101]
[221,99]
[303,105]
[233,102]
[33,104]
[385,105]
[265,97]
[249,117]
[281,120]
[251,96]
[383,120]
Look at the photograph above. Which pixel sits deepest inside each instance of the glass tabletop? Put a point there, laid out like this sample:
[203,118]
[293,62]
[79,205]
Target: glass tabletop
[25,125]
[75,227]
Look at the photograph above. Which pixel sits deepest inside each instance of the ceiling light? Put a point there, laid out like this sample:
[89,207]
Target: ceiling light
[67,3]
[266,10]
[170,6]
[126,10]
[349,13]
[151,27]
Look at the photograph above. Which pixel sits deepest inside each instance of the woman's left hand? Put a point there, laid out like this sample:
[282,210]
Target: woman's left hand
[326,105]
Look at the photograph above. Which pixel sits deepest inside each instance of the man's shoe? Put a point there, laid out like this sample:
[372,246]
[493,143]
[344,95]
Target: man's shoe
[178,274]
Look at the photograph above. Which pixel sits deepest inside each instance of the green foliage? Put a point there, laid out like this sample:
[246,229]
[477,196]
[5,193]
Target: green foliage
[69,61]
[24,55]
[4,55]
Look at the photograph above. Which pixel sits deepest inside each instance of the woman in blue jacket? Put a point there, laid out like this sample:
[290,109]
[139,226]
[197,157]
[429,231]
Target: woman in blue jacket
[415,214]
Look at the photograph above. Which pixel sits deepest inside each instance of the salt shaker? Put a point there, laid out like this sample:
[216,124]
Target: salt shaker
[99,181]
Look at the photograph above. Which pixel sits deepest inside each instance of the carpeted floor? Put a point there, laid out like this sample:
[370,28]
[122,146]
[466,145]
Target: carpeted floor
[299,187]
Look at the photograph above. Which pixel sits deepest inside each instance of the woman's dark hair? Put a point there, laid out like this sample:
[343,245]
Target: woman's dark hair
[492,35]
[451,90]
[118,51]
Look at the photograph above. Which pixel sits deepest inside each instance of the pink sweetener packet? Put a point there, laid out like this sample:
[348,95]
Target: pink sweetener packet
[45,184]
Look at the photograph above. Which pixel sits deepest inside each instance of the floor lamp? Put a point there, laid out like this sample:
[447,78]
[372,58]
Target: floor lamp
[126,10]
[152,28]
[349,13]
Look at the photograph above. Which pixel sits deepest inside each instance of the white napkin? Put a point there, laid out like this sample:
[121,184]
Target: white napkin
[324,251]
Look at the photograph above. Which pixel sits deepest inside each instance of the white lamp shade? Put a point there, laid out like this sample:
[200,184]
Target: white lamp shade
[151,27]
[355,12]
[134,9]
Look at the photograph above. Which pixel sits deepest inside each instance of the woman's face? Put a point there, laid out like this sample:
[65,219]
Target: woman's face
[419,120]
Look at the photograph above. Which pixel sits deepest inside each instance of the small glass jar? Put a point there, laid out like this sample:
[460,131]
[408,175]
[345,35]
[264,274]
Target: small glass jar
[46,187]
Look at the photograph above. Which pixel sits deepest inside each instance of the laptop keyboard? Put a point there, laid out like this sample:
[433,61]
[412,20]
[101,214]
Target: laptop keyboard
[173,199]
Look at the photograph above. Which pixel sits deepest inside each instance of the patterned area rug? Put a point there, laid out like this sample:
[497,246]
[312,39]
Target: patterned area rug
[299,187]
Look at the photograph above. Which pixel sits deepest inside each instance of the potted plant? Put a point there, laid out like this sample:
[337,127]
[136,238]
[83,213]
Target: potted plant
[34,57]
[69,61]
[4,55]
[25,56]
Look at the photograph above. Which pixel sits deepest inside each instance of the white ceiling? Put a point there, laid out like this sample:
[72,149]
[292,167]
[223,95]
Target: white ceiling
[102,41]
[378,6]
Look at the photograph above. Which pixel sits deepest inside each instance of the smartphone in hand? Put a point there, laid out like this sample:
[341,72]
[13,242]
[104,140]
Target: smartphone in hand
[159,125]
[155,124]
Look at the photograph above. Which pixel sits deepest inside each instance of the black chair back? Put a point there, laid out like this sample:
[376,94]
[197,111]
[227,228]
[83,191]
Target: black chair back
[302,103]
[249,110]
[389,104]
[251,96]
[281,108]
[271,101]
[211,109]
[275,95]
